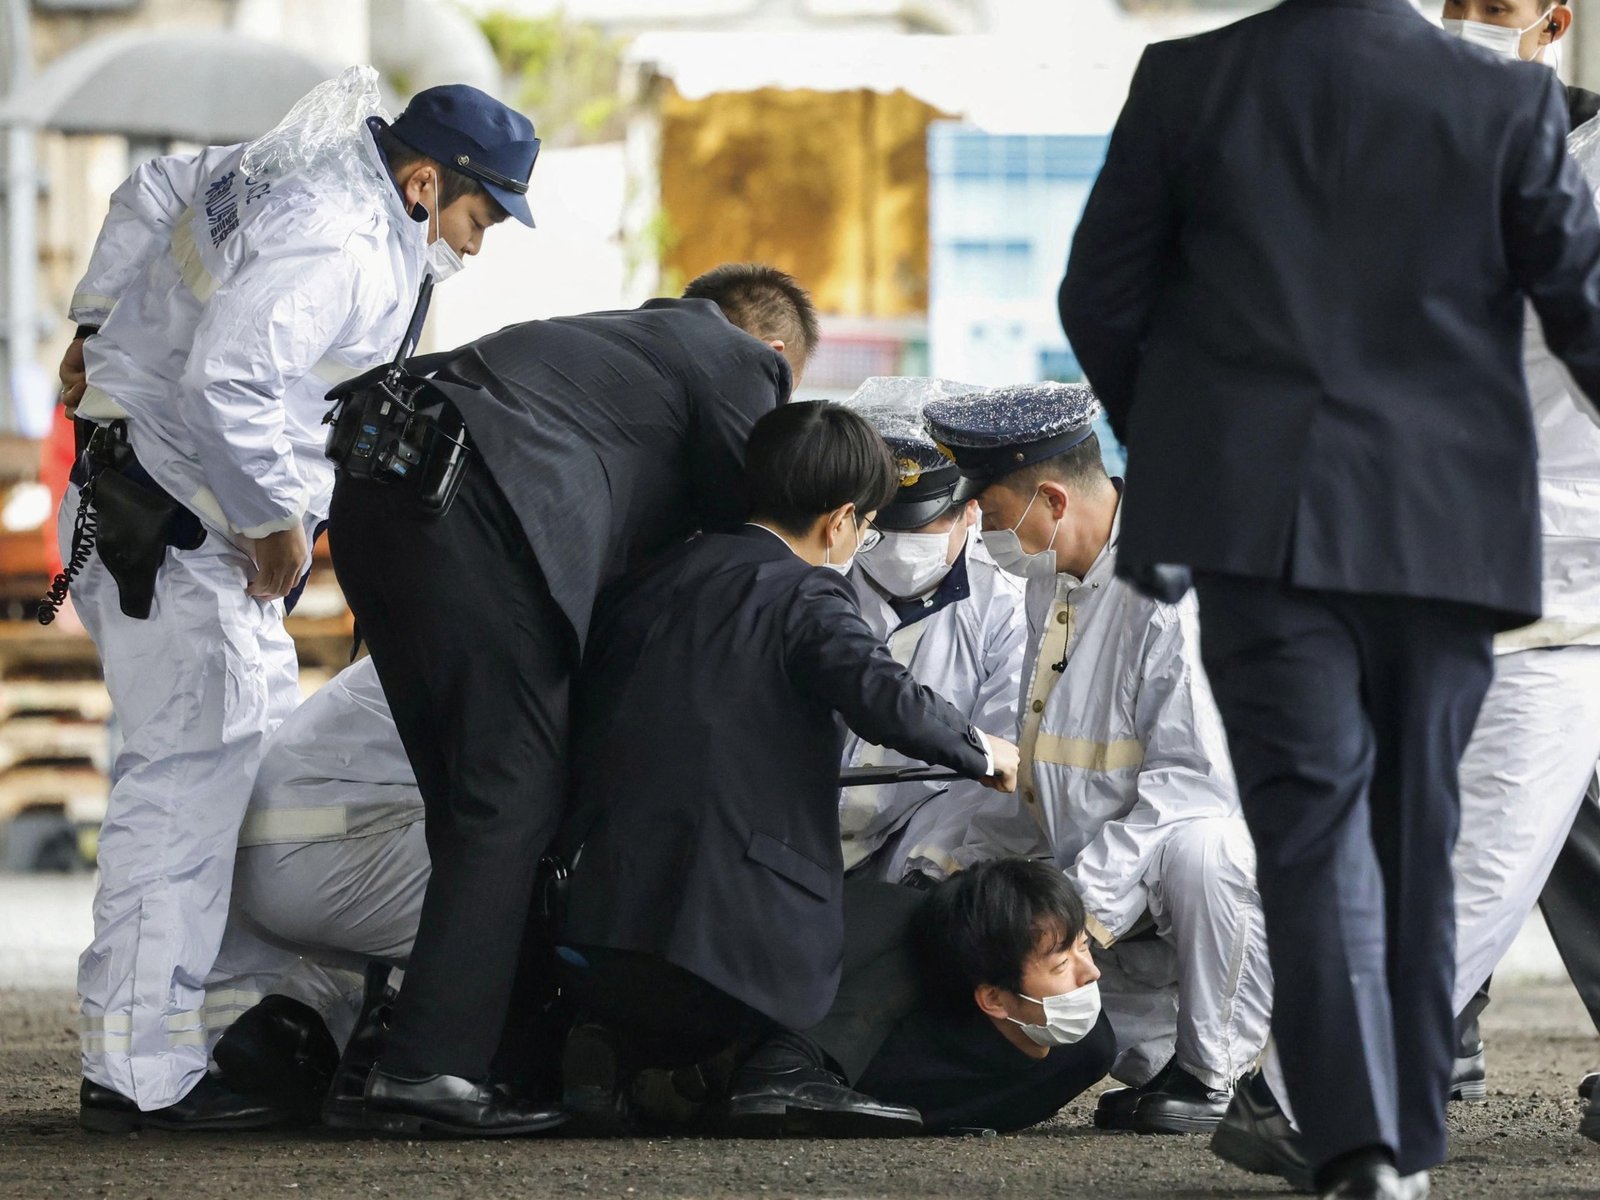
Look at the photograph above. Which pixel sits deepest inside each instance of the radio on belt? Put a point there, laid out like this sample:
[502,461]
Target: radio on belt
[396,427]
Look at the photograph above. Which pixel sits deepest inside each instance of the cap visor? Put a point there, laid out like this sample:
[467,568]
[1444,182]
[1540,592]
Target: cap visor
[968,489]
[515,204]
[913,514]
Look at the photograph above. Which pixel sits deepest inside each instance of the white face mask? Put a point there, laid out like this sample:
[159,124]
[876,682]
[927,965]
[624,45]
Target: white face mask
[843,567]
[443,261]
[1068,1017]
[1006,549]
[1503,41]
[908,564]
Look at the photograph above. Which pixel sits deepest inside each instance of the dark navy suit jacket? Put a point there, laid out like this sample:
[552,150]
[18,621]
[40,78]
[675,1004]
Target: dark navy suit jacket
[707,738]
[1298,287]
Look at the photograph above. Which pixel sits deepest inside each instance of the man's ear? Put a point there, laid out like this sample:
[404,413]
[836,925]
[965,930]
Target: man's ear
[776,344]
[1056,497]
[988,998]
[971,514]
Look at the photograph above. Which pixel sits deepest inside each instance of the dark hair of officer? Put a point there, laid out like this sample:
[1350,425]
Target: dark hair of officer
[1080,469]
[453,185]
[982,925]
[807,458]
[764,302]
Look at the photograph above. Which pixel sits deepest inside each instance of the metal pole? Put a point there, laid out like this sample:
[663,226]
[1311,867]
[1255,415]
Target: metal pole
[19,323]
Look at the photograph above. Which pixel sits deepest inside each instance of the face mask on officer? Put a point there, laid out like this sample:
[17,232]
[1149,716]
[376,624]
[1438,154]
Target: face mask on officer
[906,565]
[1005,547]
[1068,1017]
[1503,40]
[443,261]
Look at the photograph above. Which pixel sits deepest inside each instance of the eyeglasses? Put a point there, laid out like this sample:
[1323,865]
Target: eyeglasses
[869,539]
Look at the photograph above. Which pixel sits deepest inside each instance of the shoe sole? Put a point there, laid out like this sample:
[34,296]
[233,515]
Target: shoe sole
[1470,1092]
[1249,1154]
[775,1119]
[1174,1125]
[101,1121]
[407,1125]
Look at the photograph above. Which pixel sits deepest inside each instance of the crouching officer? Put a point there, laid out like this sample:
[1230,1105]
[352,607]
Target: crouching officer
[955,620]
[1124,762]
[227,296]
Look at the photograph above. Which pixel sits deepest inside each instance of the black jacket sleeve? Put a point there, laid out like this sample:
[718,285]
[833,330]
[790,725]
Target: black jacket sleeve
[1120,249]
[831,653]
[724,409]
[1553,240]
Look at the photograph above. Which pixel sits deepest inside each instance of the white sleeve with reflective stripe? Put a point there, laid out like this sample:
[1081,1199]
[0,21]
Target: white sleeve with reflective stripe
[262,331]
[139,226]
[1184,771]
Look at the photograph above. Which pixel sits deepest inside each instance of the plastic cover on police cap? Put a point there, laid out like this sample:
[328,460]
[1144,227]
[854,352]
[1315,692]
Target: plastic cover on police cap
[1015,414]
[893,405]
[323,136]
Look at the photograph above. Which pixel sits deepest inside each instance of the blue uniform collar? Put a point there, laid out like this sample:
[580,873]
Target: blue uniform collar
[953,587]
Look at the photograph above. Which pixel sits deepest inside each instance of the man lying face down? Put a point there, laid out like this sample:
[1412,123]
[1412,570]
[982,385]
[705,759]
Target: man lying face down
[1008,1027]
[706,897]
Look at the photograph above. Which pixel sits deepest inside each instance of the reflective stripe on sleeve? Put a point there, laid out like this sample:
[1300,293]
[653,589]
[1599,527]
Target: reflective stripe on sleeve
[186,254]
[273,825]
[1119,755]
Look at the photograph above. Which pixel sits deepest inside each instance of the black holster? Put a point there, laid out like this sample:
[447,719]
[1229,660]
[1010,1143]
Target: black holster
[136,520]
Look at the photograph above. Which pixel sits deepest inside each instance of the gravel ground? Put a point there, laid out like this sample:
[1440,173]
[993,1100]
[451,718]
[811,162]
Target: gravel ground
[1522,1141]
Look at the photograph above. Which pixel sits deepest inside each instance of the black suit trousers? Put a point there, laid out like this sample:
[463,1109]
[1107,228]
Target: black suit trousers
[1347,716]
[476,661]
[1571,904]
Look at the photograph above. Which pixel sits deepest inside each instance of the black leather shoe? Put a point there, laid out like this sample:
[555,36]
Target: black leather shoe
[1256,1136]
[1467,1077]
[1589,1126]
[447,1106]
[209,1107]
[346,1105]
[1586,1085]
[1114,1109]
[280,1049]
[1377,1181]
[810,1101]
[593,1083]
[1182,1104]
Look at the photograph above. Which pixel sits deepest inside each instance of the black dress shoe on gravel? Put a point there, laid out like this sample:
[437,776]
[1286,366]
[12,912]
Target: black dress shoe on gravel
[1371,1178]
[1467,1077]
[1256,1136]
[593,1084]
[447,1106]
[1586,1085]
[210,1107]
[1182,1104]
[807,1100]
[1114,1109]
[346,1103]
[280,1049]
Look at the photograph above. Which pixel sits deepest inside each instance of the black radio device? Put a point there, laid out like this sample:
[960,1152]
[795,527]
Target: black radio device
[397,427]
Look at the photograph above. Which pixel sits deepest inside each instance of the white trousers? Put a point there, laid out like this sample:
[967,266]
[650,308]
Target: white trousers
[1524,773]
[1200,991]
[196,688]
[309,916]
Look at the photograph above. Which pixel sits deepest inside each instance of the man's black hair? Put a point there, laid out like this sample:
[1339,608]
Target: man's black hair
[453,185]
[982,925]
[1080,468]
[809,457]
[763,301]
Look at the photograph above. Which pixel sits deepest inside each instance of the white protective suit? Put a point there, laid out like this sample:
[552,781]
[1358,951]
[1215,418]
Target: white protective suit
[1534,749]
[1125,764]
[970,651]
[332,862]
[228,302]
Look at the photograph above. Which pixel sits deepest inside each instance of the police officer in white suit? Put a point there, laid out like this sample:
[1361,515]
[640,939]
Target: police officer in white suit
[228,289]
[1125,765]
[955,621]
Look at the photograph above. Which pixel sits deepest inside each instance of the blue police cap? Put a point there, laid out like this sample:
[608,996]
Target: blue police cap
[894,405]
[1000,430]
[471,132]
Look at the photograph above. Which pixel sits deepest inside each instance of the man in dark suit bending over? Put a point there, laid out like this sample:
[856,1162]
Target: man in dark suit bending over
[598,441]
[706,900]
[1298,288]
